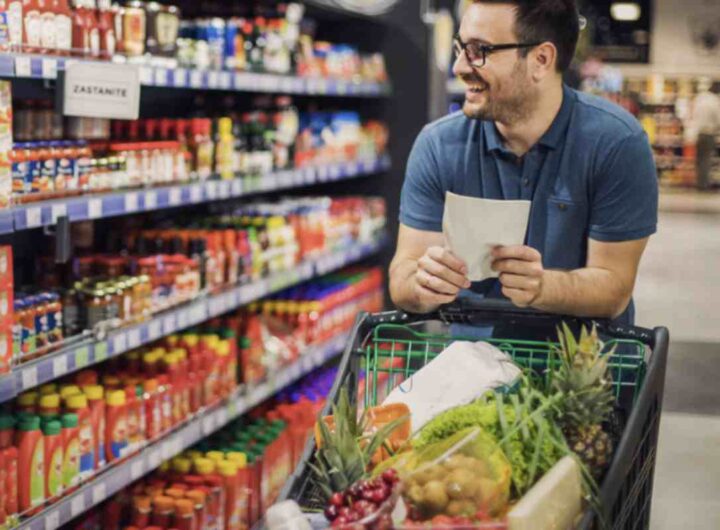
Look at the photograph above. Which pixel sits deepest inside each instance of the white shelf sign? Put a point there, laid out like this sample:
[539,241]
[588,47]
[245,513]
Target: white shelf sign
[98,90]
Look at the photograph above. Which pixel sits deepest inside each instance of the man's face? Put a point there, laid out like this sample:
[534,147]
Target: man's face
[502,90]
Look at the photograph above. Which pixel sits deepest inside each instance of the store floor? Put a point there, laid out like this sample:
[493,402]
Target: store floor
[679,287]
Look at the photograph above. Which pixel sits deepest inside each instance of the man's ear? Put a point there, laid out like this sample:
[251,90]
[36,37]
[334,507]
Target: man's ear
[543,59]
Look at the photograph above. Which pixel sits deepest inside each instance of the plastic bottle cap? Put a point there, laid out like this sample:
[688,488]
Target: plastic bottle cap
[6,422]
[193,454]
[50,401]
[29,423]
[184,507]
[69,390]
[240,459]
[142,502]
[216,456]
[116,398]
[204,466]
[182,465]
[76,401]
[49,388]
[27,399]
[69,420]
[175,493]
[94,392]
[150,385]
[223,348]
[52,428]
[198,496]
[162,502]
[227,468]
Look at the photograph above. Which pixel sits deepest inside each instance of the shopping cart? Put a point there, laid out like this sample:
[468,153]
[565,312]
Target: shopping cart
[638,369]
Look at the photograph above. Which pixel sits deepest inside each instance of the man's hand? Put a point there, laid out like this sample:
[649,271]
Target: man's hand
[521,273]
[440,277]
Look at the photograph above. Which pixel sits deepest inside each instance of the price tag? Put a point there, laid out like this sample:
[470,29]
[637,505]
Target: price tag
[49,68]
[237,188]
[298,85]
[322,86]
[146,76]
[322,173]
[150,200]
[154,330]
[137,469]
[195,78]
[52,520]
[131,202]
[119,343]
[134,339]
[77,505]
[334,172]
[211,188]
[196,193]
[309,175]
[29,377]
[99,493]
[180,77]
[182,319]
[224,189]
[166,449]
[169,324]
[23,67]
[60,366]
[33,217]
[58,210]
[213,79]
[101,351]
[175,196]
[94,208]
[160,77]
[225,80]
[240,81]
[81,357]
[154,459]
[222,417]
[286,84]
[208,424]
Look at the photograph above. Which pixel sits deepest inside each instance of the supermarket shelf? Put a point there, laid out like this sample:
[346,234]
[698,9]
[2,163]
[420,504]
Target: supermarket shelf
[91,351]
[132,201]
[47,68]
[201,425]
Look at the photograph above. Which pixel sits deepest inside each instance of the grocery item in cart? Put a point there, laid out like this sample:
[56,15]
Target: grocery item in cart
[462,373]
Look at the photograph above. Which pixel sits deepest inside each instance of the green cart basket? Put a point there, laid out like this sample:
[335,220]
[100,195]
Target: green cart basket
[389,347]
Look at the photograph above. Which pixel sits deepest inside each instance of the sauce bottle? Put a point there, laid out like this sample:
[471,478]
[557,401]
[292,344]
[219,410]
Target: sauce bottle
[229,474]
[10,459]
[141,510]
[71,443]
[132,415]
[93,28]
[78,404]
[96,402]
[243,498]
[15,24]
[49,407]
[47,26]
[53,442]
[199,498]
[116,441]
[184,516]
[7,431]
[106,27]
[205,469]
[31,464]
[162,514]
[151,402]
[86,378]
[27,402]
[80,30]
[63,27]
[32,26]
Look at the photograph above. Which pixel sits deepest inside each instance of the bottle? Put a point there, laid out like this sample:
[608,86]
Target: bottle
[10,459]
[229,473]
[141,510]
[184,516]
[71,443]
[47,26]
[27,402]
[63,27]
[96,402]
[243,499]
[78,404]
[80,32]
[153,414]
[7,431]
[116,441]
[225,149]
[15,22]
[106,27]
[163,509]
[205,468]
[93,28]
[31,464]
[69,390]
[49,407]
[32,25]
[199,499]
[53,443]
[132,415]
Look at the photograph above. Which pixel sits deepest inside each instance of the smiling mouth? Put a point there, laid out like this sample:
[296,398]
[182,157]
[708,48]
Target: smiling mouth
[476,89]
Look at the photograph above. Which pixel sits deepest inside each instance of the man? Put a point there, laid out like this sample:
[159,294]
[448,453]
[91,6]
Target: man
[585,164]
[706,118]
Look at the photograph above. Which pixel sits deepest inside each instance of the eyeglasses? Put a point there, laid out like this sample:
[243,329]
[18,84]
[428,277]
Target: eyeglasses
[477,53]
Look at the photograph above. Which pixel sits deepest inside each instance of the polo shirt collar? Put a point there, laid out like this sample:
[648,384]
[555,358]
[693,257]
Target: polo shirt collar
[551,139]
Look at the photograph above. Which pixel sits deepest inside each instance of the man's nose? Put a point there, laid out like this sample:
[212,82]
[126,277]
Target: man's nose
[461,66]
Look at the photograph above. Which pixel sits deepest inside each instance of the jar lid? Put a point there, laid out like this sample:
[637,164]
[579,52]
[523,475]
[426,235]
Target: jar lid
[52,428]
[69,420]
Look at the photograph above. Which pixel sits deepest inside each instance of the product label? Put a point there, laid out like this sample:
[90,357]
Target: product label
[55,472]
[118,438]
[63,32]
[37,475]
[47,29]
[101,440]
[15,22]
[66,177]
[87,451]
[71,464]
[33,28]
[20,181]
[94,42]
[109,42]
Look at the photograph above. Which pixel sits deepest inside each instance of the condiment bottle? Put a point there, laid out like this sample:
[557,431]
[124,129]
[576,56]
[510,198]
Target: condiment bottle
[116,441]
[106,26]
[229,473]
[10,459]
[80,30]
[205,468]
[49,407]
[78,404]
[32,25]
[63,27]
[141,510]
[7,431]
[199,500]
[53,443]
[93,28]
[96,402]
[153,414]
[243,499]
[31,464]
[15,22]
[162,514]
[69,390]
[184,516]
[27,402]
[132,414]
[71,443]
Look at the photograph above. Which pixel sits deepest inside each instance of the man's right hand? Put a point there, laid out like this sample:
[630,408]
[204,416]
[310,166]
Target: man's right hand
[439,278]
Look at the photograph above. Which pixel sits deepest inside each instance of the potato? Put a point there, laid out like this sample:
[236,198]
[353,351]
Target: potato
[428,474]
[434,497]
[456,461]
[455,508]
[461,484]
[415,494]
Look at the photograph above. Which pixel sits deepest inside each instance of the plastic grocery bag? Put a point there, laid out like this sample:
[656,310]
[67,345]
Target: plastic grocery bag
[462,373]
[465,475]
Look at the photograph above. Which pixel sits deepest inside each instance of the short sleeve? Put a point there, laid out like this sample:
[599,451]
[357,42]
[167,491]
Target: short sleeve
[625,193]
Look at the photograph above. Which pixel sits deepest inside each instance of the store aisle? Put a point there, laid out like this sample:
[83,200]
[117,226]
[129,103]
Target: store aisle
[678,286]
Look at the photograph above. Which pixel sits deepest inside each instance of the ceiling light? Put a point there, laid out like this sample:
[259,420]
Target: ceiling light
[625,11]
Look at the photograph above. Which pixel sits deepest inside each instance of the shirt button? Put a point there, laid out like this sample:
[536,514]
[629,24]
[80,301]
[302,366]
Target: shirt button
[562,207]
[526,182]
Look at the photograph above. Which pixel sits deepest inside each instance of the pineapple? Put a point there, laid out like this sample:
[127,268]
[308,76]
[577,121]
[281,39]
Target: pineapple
[345,451]
[583,380]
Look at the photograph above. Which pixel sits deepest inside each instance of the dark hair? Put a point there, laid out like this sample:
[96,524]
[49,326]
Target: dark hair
[556,21]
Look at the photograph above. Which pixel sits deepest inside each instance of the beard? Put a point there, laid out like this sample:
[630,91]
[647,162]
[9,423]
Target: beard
[510,101]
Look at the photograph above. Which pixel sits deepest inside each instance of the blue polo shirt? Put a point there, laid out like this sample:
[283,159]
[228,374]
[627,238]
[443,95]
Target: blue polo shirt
[591,175]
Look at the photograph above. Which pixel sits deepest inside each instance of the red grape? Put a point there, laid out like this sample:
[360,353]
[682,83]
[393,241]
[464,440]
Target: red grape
[378,496]
[337,499]
[340,521]
[331,512]
[390,476]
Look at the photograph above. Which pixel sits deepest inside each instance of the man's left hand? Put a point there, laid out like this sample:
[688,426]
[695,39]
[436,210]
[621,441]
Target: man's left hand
[521,273]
